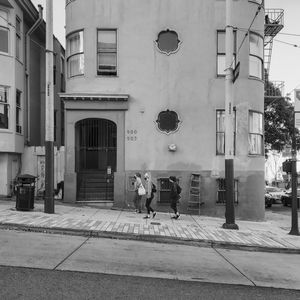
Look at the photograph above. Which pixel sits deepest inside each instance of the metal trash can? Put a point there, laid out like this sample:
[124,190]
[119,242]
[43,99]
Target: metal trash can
[25,192]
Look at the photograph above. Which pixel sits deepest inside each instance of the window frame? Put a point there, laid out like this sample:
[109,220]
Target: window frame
[18,112]
[79,53]
[6,28]
[5,104]
[250,133]
[106,74]
[223,132]
[223,54]
[261,59]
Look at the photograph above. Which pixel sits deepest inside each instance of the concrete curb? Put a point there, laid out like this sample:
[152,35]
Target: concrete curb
[148,238]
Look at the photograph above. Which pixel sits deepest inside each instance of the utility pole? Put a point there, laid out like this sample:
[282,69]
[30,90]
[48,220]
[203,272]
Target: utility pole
[294,228]
[229,148]
[49,126]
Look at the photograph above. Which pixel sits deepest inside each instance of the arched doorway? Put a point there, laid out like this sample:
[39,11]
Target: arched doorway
[96,159]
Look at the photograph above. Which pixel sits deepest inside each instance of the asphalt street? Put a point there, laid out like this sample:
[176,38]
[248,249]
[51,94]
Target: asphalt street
[55,252]
[38,284]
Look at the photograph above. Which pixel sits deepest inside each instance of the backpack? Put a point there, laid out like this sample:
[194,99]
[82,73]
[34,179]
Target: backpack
[153,188]
[178,189]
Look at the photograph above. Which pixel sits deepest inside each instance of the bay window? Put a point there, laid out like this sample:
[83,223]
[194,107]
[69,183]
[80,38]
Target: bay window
[75,59]
[256,55]
[4,31]
[4,107]
[255,133]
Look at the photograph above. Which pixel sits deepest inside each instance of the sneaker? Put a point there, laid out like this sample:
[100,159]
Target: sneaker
[147,217]
[154,214]
[177,216]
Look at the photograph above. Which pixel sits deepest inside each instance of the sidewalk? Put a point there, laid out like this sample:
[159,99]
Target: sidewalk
[271,235]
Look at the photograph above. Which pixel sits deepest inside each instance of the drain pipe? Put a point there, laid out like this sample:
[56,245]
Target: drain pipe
[27,68]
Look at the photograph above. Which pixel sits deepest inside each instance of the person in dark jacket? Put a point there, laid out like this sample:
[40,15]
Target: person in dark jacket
[174,196]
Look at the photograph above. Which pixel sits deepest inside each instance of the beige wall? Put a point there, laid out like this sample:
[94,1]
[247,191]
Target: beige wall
[185,82]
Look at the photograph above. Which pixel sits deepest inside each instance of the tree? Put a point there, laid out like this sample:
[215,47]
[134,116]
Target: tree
[279,121]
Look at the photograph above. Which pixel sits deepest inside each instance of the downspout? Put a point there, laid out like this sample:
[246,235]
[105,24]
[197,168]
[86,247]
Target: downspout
[27,69]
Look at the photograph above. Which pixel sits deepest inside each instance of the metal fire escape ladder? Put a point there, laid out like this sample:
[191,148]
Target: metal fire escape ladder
[273,25]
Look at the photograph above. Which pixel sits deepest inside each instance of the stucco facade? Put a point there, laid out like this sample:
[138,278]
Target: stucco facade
[22,88]
[184,81]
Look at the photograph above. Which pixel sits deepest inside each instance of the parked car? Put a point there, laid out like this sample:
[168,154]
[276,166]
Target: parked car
[287,197]
[275,193]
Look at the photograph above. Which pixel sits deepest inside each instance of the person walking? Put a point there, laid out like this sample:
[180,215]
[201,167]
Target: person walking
[137,201]
[174,196]
[150,188]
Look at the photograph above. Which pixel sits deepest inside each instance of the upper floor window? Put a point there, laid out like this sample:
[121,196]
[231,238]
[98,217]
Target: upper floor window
[4,31]
[75,54]
[107,52]
[4,107]
[221,52]
[256,55]
[62,74]
[255,133]
[18,112]
[18,38]
[220,132]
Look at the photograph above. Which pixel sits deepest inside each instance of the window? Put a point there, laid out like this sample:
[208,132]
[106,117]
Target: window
[55,124]
[167,41]
[255,133]
[221,53]
[18,38]
[4,31]
[75,60]
[4,107]
[107,52]
[221,195]
[18,112]
[62,124]
[220,132]
[256,55]
[62,74]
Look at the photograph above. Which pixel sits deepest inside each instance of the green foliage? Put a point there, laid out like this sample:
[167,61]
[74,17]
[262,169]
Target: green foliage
[279,120]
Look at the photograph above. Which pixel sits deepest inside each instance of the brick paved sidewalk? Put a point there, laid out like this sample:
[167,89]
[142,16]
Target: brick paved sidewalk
[86,220]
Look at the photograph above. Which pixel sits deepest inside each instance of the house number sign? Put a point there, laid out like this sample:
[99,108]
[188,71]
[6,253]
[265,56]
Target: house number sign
[131,135]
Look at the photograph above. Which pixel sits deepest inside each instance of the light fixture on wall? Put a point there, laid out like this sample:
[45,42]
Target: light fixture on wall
[172,147]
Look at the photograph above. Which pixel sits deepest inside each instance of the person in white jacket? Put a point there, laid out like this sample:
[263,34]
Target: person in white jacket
[149,196]
[137,198]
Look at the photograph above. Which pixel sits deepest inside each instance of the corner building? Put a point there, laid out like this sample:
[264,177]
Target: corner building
[145,92]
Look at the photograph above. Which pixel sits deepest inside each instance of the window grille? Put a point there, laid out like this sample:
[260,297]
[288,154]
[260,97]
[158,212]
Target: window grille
[221,193]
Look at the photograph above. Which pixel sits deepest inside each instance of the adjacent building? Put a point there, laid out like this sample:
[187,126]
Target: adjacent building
[22,89]
[145,92]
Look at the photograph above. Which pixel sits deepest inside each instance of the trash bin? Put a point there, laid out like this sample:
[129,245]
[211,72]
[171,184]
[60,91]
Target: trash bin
[25,192]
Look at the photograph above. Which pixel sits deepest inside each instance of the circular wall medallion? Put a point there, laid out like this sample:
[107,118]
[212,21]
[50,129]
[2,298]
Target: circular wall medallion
[168,121]
[167,42]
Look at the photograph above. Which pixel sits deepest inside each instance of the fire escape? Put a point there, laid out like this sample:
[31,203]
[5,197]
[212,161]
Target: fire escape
[273,25]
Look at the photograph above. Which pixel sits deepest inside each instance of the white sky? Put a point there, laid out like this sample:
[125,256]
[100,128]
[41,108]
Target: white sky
[285,60]
[58,17]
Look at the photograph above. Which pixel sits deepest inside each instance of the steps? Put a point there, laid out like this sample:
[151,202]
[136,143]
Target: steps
[95,187]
